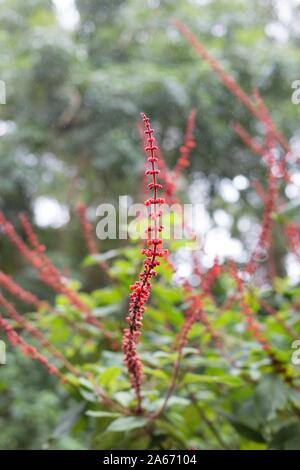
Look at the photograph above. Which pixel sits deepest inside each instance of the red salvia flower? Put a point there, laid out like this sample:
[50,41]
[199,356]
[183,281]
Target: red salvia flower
[271,311]
[264,241]
[248,139]
[48,273]
[292,232]
[164,175]
[230,83]
[32,238]
[260,191]
[16,290]
[195,311]
[210,277]
[10,232]
[254,327]
[276,170]
[27,349]
[87,229]
[37,334]
[189,144]
[266,119]
[25,296]
[140,290]
[170,179]
[270,139]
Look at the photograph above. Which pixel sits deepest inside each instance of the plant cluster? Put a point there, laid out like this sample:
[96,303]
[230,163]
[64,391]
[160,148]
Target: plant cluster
[202,363]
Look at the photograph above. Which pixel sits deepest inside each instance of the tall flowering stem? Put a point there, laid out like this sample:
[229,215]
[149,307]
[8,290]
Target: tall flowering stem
[254,106]
[37,334]
[195,311]
[27,349]
[265,237]
[248,139]
[9,231]
[276,169]
[140,290]
[29,298]
[188,145]
[254,327]
[292,232]
[170,179]
[48,273]
[260,190]
[87,230]
[266,119]
[165,176]
[8,283]
[271,311]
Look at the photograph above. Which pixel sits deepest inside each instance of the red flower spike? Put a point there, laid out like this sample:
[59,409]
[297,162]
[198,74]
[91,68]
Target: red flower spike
[292,233]
[248,140]
[265,237]
[141,289]
[255,108]
[48,273]
[37,334]
[33,240]
[254,327]
[16,290]
[189,145]
[27,349]
[87,230]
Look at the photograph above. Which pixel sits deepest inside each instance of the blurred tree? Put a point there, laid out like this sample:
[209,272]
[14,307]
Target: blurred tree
[74,96]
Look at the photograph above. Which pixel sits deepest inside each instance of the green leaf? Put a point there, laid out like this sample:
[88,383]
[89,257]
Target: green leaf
[106,296]
[287,438]
[59,331]
[86,383]
[91,260]
[89,396]
[245,430]
[102,414]
[109,376]
[107,310]
[230,380]
[294,396]
[270,396]
[178,401]
[68,421]
[126,423]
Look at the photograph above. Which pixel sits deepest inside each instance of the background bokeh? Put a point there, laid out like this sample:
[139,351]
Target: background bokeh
[77,76]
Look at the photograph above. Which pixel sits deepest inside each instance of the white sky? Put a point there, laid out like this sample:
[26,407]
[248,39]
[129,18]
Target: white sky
[67,13]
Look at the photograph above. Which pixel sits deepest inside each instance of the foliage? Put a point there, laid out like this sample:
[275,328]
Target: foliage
[229,398]
[28,423]
[213,366]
